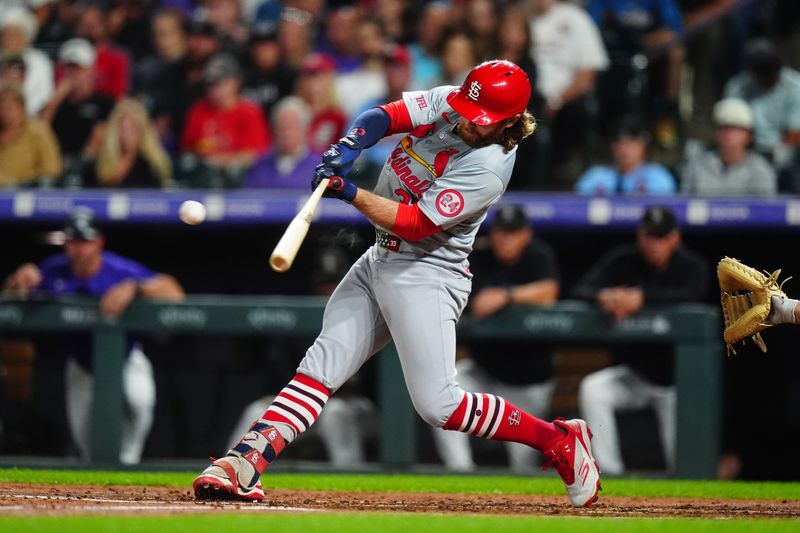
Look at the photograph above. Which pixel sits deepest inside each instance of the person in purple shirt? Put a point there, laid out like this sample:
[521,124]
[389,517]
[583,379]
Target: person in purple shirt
[290,161]
[630,172]
[85,268]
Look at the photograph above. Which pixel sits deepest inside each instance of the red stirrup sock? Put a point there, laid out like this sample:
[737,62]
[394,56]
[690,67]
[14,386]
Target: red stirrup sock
[298,405]
[491,417]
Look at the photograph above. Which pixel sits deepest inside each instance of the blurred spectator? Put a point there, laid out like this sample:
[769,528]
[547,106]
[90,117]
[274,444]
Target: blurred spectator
[85,268]
[425,48]
[657,270]
[316,87]
[397,69]
[340,41]
[709,30]
[630,172]
[295,31]
[457,55]
[267,76]
[730,168]
[290,162]
[366,82]
[12,70]
[223,130]
[398,18]
[481,20]
[56,23]
[515,269]
[28,148]
[131,155]
[515,45]
[77,111]
[130,27]
[226,17]
[180,83]
[568,53]
[18,29]
[652,30]
[112,65]
[773,92]
[169,37]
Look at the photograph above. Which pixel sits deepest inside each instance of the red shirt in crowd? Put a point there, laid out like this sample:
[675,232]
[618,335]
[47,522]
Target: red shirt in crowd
[210,130]
[113,71]
[326,129]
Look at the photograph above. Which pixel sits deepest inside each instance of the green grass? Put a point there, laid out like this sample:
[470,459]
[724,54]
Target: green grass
[427,483]
[217,521]
[384,523]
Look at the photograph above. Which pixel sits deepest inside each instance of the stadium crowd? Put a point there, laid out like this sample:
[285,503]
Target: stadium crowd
[248,93]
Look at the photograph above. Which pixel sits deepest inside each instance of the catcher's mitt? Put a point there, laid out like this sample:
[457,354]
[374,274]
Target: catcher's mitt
[746,296]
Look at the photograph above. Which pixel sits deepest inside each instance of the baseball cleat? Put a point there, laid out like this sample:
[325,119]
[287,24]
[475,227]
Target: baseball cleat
[220,482]
[573,460]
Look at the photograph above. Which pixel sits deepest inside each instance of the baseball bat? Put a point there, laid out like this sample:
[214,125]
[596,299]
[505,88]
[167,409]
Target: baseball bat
[286,250]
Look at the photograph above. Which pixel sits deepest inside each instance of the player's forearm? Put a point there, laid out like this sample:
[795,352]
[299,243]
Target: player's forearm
[544,292]
[161,287]
[381,211]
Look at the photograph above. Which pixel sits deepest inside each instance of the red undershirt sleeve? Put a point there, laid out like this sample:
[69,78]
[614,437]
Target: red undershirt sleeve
[412,225]
[400,119]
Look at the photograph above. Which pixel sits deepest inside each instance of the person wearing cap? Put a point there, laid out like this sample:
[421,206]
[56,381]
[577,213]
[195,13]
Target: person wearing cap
[78,112]
[28,148]
[316,86]
[629,173]
[658,269]
[772,90]
[86,268]
[452,163]
[224,130]
[18,28]
[514,269]
[268,77]
[731,168]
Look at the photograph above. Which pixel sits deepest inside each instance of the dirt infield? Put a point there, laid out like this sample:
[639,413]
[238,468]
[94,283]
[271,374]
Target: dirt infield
[27,499]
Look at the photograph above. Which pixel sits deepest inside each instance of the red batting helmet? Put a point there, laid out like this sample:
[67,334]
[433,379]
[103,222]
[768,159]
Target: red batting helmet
[493,90]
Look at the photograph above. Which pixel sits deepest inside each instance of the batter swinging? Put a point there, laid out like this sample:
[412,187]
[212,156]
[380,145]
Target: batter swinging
[412,285]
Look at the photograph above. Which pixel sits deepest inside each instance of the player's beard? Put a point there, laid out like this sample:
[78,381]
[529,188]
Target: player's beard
[470,135]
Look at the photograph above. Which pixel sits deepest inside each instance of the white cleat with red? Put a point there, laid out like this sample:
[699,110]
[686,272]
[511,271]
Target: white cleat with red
[572,458]
[219,481]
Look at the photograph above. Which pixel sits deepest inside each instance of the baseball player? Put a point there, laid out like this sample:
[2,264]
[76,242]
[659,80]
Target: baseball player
[411,286]
[86,268]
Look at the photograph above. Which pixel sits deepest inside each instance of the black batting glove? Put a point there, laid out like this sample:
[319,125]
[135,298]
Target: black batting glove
[338,187]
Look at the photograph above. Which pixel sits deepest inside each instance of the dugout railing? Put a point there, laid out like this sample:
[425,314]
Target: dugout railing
[693,329]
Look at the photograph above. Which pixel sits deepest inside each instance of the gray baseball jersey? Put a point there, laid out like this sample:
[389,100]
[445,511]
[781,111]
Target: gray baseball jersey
[416,295]
[452,183]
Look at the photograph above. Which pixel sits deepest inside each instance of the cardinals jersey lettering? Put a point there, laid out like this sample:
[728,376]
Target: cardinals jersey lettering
[452,183]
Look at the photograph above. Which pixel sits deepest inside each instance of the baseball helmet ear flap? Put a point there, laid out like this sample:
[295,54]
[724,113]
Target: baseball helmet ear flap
[493,91]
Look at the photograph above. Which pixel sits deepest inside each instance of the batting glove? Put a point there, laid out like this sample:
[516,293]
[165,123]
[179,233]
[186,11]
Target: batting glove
[338,187]
[340,156]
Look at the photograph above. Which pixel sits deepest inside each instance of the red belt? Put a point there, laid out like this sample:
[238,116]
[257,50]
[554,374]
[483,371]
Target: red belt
[388,241]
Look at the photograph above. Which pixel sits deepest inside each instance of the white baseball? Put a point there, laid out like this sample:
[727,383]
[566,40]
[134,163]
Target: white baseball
[192,212]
